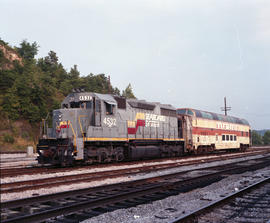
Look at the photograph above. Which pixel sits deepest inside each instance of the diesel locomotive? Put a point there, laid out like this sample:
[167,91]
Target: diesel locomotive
[99,128]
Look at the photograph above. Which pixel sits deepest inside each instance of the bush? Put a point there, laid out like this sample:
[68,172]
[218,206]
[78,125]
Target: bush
[25,135]
[8,138]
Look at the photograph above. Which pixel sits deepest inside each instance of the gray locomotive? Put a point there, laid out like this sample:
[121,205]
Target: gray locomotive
[100,128]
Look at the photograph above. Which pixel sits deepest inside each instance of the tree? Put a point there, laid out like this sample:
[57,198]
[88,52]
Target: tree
[116,91]
[266,138]
[52,58]
[27,51]
[74,73]
[128,92]
[256,138]
[31,90]
[11,104]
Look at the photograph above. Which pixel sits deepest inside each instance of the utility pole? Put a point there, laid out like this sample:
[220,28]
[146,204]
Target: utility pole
[225,108]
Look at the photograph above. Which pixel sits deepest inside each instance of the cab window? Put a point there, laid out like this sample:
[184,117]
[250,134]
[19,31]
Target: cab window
[74,104]
[109,109]
[86,105]
[89,105]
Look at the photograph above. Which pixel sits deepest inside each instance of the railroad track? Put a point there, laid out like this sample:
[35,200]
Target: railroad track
[77,205]
[18,159]
[12,152]
[251,204]
[14,162]
[87,177]
[20,186]
[11,172]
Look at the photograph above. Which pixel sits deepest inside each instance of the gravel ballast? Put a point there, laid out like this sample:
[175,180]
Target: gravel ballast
[30,193]
[175,206]
[127,166]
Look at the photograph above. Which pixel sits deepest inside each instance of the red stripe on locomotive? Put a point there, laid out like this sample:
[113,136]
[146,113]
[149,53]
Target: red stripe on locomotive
[139,122]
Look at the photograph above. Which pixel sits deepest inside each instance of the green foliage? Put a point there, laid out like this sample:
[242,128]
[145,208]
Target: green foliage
[32,90]
[8,138]
[116,91]
[27,51]
[1,54]
[3,42]
[128,93]
[266,138]
[25,135]
[256,138]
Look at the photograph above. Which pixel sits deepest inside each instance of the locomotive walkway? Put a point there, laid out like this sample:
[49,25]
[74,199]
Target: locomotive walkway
[76,205]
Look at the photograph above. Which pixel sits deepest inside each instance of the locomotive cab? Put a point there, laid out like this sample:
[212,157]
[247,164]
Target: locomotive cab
[63,142]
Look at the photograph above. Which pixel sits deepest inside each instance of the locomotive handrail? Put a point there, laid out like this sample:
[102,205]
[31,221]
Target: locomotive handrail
[81,125]
[75,145]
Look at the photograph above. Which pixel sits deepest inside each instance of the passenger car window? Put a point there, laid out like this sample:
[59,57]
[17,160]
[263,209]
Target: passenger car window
[190,112]
[198,114]
[181,111]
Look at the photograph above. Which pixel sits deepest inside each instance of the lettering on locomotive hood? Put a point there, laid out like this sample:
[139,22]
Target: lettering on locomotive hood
[151,120]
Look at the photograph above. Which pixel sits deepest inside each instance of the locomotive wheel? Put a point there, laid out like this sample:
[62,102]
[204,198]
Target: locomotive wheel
[102,157]
[120,156]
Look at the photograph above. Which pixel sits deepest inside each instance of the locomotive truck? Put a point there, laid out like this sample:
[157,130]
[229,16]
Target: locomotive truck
[99,128]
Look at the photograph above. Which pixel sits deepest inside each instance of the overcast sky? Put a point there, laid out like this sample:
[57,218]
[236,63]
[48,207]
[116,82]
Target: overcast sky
[186,53]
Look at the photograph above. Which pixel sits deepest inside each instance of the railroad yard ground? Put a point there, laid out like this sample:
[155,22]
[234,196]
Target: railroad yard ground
[168,209]
[164,210]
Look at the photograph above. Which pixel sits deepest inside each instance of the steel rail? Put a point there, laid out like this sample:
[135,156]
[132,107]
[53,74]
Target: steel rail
[90,177]
[34,170]
[191,217]
[123,191]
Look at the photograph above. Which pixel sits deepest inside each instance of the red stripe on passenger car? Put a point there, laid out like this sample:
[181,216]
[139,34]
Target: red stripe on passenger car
[208,131]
